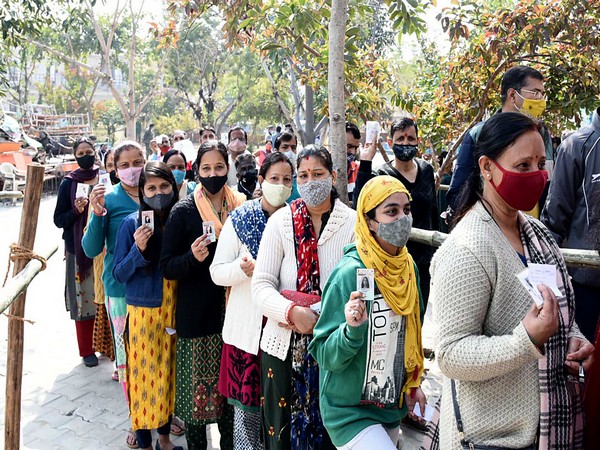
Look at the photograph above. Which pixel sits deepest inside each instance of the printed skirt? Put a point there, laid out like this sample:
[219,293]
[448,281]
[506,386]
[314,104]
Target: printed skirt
[198,400]
[79,291]
[151,364]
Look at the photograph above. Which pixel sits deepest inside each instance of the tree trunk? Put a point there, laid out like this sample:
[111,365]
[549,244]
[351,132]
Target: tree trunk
[337,107]
[309,127]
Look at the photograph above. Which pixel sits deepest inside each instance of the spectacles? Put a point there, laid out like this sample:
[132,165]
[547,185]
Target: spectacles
[537,95]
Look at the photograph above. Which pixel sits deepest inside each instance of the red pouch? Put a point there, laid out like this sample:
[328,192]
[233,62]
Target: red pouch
[301,298]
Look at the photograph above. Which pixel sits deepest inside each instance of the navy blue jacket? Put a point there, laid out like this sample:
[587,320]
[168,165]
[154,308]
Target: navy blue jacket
[142,278]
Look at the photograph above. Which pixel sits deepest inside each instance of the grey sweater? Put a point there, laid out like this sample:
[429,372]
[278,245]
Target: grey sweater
[481,342]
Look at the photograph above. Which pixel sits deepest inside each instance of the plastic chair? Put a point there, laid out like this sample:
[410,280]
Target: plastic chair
[14,180]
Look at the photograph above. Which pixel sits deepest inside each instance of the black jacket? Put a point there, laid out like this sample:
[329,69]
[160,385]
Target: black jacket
[572,211]
[423,205]
[200,305]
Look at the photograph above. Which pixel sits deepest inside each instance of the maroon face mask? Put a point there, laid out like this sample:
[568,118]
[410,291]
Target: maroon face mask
[521,190]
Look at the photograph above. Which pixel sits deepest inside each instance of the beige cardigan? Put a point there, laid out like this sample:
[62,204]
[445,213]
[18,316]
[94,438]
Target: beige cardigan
[479,305]
[276,268]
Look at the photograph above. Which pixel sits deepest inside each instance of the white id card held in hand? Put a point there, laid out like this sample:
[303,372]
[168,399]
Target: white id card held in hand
[365,282]
[148,219]
[208,229]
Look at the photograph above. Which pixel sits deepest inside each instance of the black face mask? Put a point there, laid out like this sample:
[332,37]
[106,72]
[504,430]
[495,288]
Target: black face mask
[113,177]
[160,201]
[86,161]
[404,152]
[213,184]
[250,178]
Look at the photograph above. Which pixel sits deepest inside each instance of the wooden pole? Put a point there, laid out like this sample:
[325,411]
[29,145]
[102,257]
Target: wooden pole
[19,283]
[14,356]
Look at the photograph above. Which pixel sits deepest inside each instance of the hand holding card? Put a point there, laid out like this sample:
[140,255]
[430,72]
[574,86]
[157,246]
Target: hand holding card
[148,219]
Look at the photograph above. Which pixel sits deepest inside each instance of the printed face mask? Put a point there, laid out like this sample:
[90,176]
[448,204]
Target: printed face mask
[179,176]
[397,232]
[404,152]
[130,176]
[521,190]
[86,161]
[159,201]
[213,184]
[275,194]
[532,108]
[315,192]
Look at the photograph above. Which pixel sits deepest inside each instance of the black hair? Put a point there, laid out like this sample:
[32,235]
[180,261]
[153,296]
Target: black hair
[516,78]
[231,130]
[127,145]
[324,156]
[83,140]
[403,124]
[151,125]
[286,136]
[161,170]
[278,129]
[209,146]
[240,159]
[352,128]
[496,136]
[203,129]
[273,158]
[172,153]
[106,155]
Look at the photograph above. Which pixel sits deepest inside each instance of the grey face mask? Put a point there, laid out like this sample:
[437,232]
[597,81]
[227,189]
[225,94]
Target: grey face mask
[315,192]
[396,233]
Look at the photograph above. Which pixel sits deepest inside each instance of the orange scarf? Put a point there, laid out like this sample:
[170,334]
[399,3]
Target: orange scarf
[231,200]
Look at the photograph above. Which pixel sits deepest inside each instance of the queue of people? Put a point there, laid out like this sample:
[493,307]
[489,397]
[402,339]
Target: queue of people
[227,300]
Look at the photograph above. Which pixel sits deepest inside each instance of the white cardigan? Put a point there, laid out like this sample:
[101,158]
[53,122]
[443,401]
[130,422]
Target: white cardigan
[276,268]
[243,319]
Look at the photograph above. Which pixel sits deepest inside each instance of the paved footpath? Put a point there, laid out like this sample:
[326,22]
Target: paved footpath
[64,404]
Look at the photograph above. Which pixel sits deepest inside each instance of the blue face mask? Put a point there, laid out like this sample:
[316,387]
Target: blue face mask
[179,176]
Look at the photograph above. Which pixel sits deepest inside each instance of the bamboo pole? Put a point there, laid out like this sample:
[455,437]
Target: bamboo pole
[14,357]
[20,282]
[574,258]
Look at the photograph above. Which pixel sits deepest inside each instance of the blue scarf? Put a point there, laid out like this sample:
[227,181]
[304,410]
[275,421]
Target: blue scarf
[249,223]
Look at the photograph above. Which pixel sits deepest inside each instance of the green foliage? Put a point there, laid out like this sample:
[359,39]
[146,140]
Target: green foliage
[183,120]
[107,115]
[458,87]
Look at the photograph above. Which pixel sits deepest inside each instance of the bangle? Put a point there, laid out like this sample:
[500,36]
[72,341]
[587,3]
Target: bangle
[104,212]
[287,313]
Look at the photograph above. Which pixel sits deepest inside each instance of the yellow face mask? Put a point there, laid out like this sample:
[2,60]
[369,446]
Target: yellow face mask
[532,108]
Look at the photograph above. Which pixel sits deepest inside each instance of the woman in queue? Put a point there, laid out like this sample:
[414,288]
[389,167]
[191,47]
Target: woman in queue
[176,161]
[511,366]
[71,214]
[369,349]
[233,266]
[301,245]
[189,243]
[150,307]
[109,210]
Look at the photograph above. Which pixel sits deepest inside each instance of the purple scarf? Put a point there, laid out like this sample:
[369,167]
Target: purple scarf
[84,263]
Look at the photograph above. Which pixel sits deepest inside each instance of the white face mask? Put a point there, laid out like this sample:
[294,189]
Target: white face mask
[275,194]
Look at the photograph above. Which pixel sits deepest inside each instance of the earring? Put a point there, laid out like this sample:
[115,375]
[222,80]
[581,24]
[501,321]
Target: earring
[488,175]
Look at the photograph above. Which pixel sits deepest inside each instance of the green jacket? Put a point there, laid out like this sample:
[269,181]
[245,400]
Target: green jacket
[341,351]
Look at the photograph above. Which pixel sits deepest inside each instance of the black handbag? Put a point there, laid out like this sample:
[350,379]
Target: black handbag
[470,445]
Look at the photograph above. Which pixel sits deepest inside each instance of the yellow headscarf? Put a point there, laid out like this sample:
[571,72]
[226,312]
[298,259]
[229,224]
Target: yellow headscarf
[395,275]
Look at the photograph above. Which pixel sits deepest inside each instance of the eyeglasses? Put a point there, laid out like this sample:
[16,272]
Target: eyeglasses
[537,95]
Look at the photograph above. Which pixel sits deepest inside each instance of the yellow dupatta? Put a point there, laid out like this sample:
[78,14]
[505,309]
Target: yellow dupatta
[395,275]
[231,200]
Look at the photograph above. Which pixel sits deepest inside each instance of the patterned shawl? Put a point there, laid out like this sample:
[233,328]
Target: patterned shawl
[249,223]
[561,408]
